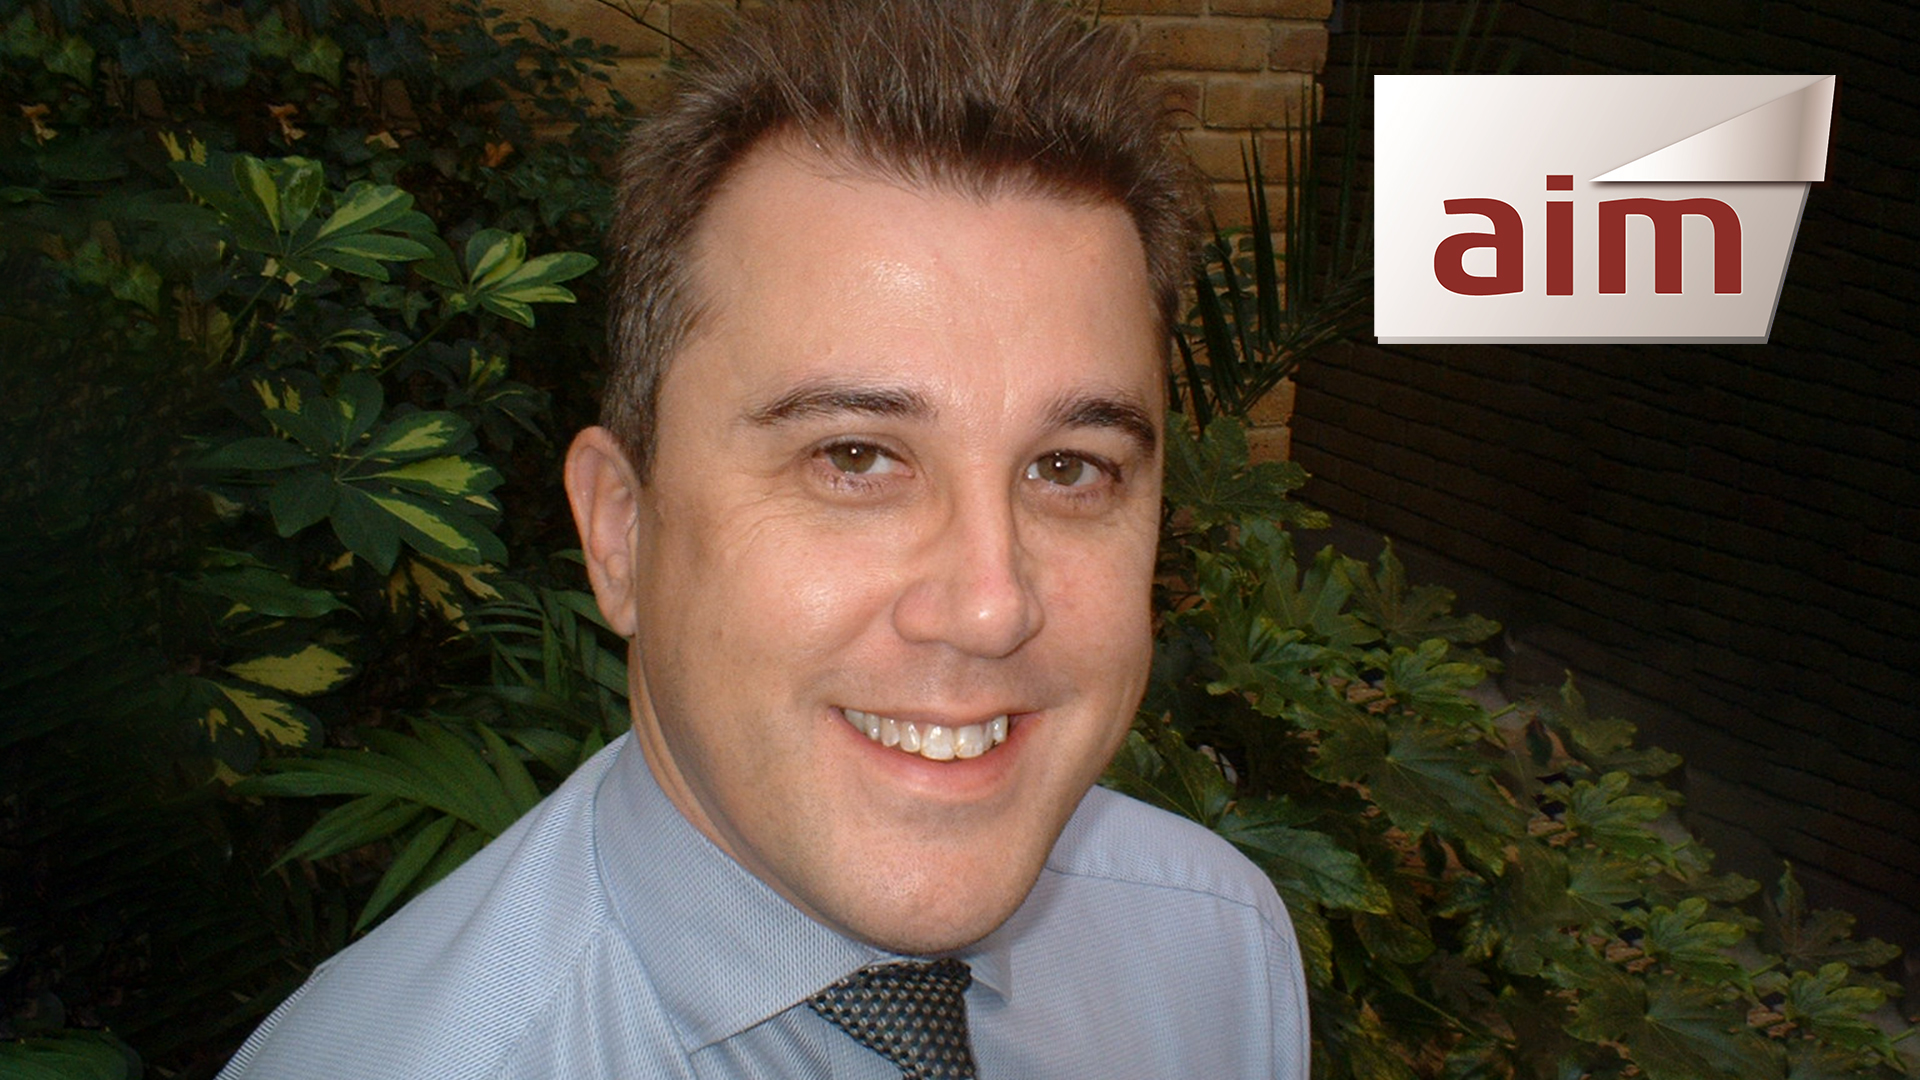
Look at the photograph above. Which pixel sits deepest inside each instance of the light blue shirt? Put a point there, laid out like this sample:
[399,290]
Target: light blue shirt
[603,936]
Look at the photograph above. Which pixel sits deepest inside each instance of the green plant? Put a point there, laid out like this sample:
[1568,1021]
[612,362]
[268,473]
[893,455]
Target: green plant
[1476,894]
[273,369]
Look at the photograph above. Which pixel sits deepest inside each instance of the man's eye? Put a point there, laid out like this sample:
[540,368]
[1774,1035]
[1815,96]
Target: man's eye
[860,459]
[1066,470]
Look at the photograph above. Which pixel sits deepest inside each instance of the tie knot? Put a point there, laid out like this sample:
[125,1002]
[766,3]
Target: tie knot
[912,1013]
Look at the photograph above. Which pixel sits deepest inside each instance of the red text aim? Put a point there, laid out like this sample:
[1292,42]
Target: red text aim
[1505,240]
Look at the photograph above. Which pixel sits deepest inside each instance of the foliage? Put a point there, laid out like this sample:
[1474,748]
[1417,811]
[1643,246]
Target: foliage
[1475,894]
[1259,307]
[279,352]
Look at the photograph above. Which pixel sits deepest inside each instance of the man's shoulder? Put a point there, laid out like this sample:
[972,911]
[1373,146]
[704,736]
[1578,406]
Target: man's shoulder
[1119,839]
[456,974]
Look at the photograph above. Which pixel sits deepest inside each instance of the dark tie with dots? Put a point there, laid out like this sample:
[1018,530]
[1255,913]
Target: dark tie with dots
[913,1014]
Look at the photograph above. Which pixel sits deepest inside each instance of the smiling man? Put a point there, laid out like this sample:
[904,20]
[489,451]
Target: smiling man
[876,505]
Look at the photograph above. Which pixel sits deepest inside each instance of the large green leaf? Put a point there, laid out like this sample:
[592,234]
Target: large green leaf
[1690,941]
[1670,1028]
[1156,766]
[1422,778]
[1840,1013]
[1304,863]
[418,435]
[1209,476]
[440,531]
[1605,813]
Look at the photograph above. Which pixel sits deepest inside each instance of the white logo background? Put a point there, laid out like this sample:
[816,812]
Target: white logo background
[1751,141]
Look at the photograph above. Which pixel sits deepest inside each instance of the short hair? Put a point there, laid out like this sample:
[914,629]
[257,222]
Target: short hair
[979,96]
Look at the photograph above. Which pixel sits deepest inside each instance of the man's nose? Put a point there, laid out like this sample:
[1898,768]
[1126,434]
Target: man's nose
[973,584]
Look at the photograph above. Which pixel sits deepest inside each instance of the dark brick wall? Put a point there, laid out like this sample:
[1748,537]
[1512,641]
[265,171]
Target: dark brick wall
[1727,535]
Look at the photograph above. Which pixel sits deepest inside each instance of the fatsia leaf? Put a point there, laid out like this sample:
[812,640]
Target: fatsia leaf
[1671,1029]
[1400,935]
[1406,615]
[1156,766]
[1809,940]
[1689,941]
[1423,779]
[1824,1002]
[1210,476]
[1304,863]
[1604,813]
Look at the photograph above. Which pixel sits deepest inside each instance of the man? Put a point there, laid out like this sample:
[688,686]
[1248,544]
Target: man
[876,506]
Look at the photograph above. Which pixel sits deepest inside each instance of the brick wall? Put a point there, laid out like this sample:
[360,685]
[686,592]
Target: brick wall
[1726,535]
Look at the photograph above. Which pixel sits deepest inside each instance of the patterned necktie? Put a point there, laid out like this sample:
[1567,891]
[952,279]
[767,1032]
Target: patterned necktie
[913,1014]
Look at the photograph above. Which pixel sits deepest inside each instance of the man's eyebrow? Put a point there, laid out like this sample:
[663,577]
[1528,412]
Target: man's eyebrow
[831,398]
[1101,411]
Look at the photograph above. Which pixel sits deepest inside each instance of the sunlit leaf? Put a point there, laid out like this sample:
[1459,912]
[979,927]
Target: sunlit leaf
[417,435]
[312,669]
[274,719]
[439,531]
[447,475]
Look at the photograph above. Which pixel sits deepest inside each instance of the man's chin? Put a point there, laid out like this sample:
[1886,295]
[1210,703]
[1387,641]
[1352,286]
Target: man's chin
[950,917]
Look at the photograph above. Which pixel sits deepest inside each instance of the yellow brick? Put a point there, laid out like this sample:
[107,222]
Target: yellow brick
[1274,9]
[1275,409]
[1269,443]
[601,23]
[1151,7]
[1229,204]
[1298,47]
[697,24]
[1181,97]
[645,82]
[1196,45]
[1266,101]
[1219,155]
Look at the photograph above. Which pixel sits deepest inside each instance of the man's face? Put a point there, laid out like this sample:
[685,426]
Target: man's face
[907,485]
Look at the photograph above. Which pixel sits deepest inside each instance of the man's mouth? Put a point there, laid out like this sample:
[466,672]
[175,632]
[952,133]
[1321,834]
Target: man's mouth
[935,742]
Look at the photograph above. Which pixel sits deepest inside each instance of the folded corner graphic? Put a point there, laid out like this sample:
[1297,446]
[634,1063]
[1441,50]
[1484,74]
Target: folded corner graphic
[1623,208]
[1783,140]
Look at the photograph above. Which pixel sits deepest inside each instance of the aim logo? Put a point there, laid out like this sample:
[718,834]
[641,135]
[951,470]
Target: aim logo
[1667,212]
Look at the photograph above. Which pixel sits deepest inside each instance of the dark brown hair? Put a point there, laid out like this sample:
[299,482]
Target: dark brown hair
[979,96]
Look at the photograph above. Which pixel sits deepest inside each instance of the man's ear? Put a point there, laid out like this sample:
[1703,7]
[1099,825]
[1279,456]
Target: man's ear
[605,492]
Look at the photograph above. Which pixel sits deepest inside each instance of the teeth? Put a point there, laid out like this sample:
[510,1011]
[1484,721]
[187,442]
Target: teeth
[935,742]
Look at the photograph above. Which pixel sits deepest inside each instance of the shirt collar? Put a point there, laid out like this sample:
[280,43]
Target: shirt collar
[721,948]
